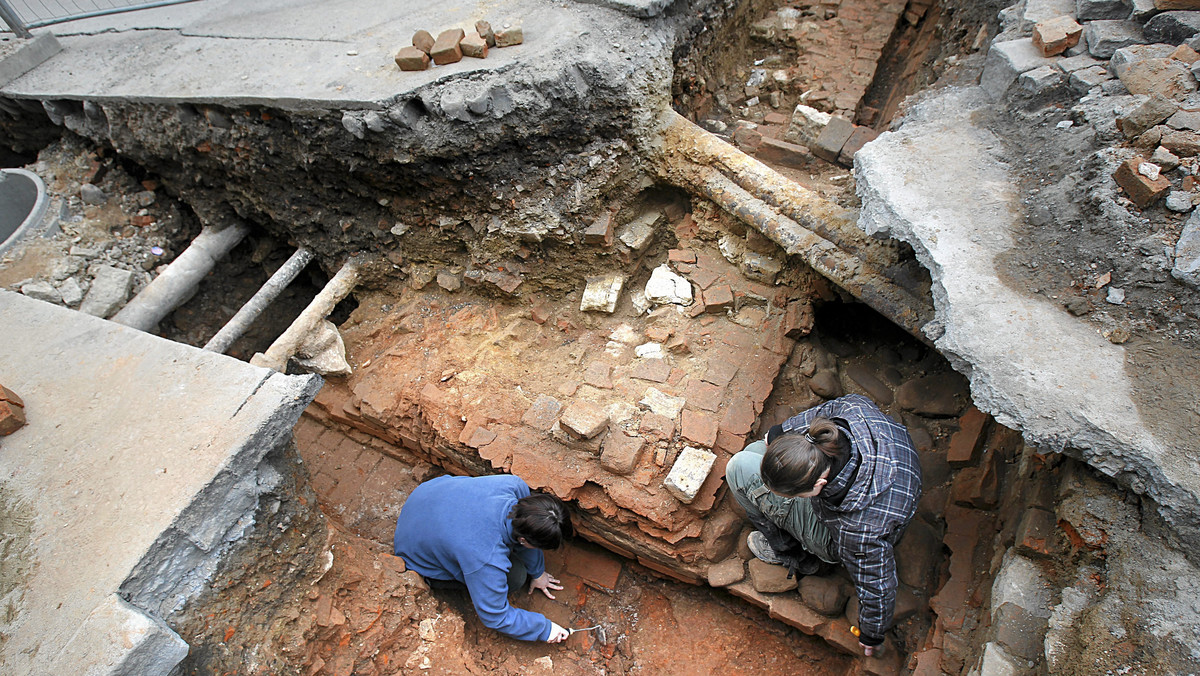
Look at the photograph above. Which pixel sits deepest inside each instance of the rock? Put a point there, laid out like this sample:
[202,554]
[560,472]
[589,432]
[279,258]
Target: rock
[1057,35]
[1040,79]
[1164,158]
[662,404]
[917,555]
[323,351]
[859,138]
[509,34]
[826,595]
[474,45]
[72,293]
[484,29]
[1122,58]
[1187,252]
[110,289]
[145,198]
[806,125]
[543,413]
[1006,61]
[688,473]
[638,233]
[835,134]
[1074,63]
[620,453]
[768,578]
[91,194]
[600,231]
[12,417]
[446,49]
[1151,112]
[1167,5]
[1103,38]
[1163,77]
[1084,79]
[865,377]
[423,40]
[825,384]
[937,395]
[354,125]
[727,572]
[666,287]
[1142,190]
[1143,10]
[1182,143]
[1090,10]
[997,662]
[1172,28]
[602,292]
[449,281]
[41,290]
[583,419]
[411,59]
[1188,120]
[1179,201]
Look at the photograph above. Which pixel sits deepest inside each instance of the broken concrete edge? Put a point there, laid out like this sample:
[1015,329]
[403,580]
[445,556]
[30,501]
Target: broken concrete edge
[642,9]
[223,510]
[117,639]
[33,53]
[1108,435]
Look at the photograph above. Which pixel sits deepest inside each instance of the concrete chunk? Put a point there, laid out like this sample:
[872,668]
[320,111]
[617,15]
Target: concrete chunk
[1007,60]
[806,125]
[602,292]
[41,290]
[1187,252]
[665,287]
[509,34]
[110,289]
[688,474]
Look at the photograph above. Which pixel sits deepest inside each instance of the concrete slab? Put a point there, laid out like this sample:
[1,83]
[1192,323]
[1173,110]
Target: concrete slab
[140,463]
[21,56]
[937,184]
[300,54]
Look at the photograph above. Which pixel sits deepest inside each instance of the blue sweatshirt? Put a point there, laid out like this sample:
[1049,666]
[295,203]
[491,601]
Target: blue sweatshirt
[458,528]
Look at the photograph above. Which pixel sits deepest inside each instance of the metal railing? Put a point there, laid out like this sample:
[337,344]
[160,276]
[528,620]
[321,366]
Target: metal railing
[21,15]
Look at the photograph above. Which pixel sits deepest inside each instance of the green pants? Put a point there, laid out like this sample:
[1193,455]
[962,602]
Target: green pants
[794,515]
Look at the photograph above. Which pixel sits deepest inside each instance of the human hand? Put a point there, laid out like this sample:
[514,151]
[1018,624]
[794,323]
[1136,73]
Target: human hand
[557,633]
[545,582]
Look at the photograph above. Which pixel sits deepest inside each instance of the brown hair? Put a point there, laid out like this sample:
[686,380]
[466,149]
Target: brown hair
[795,461]
[543,520]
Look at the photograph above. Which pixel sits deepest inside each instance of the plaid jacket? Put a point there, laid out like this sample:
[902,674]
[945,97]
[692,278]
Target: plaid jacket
[874,513]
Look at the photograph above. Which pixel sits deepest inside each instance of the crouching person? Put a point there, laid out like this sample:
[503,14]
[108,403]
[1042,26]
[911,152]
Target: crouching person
[486,533]
[836,484]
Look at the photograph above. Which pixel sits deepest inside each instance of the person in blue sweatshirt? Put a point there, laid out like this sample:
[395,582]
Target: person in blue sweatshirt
[487,533]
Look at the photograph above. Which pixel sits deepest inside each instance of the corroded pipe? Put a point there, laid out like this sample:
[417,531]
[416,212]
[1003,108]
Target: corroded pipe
[241,321]
[276,357]
[794,218]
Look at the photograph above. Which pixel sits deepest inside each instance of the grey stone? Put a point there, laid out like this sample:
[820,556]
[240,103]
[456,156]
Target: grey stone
[688,474]
[760,267]
[637,233]
[1023,583]
[72,293]
[1187,252]
[43,291]
[806,125]
[449,280]
[1074,63]
[1090,10]
[1021,633]
[1126,55]
[1185,119]
[1149,113]
[600,294]
[997,662]
[1040,79]
[1037,11]
[1113,87]
[917,552]
[354,125]
[1173,28]
[1084,79]
[1164,158]
[937,395]
[825,384]
[110,289]
[833,137]
[1007,60]
[667,288]
[876,389]
[826,595]
[1179,201]
[1104,38]
[91,194]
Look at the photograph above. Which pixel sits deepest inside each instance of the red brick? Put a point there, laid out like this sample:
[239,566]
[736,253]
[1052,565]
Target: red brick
[705,396]
[657,428]
[1141,190]
[474,45]
[837,633]
[598,374]
[1056,35]
[600,231]
[681,256]
[621,451]
[966,441]
[593,565]
[423,40]
[543,413]
[859,138]
[798,319]
[411,59]
[699,428]
[447,49]
[654,370]
[718,299]
[10,396]
[704,278]
[481,436]
[720,371]
[739,417]
[583,419]
[12,417]
[658,334]
[678,345]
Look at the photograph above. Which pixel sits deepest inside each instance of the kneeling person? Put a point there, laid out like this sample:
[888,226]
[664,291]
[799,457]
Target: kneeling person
[487,533]
[837,483]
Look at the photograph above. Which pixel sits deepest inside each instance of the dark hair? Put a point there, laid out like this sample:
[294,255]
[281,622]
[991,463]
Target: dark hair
[543,520]
[795,461]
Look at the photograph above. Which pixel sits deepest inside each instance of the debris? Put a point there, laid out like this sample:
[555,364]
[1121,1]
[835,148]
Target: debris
[602,292]
[666,287]
[688,473]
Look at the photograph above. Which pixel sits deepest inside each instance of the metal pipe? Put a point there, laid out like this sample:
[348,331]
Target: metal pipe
[241,321]
[276,357]
[10,17]
[103,12]
[179,281]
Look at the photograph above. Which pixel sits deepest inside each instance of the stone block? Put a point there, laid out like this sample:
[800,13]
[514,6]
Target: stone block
[12,417]
[775,151]
[935,396]
[826,595]
[1187,252]
[662,404]
[1172,28]
[1122,58]
[1104,38]
[446,48]
[727,572]
[655,370]
[1040,79]
[1078,62]
[1181,143]
[698,428]
[837,633]
[1159,77]
[583,419]
[1152,111]
[602,292]
[760,268]
[688,473]
[509,34]
[110,289]
[768,578]
[720,534]
[1143,10]
[806,125]
[41,290]
[1141,189]
[542,414]
[1091,10]
[832,138]
[638,233]
[1007,60]
[860,137]
[1084,79]
[790,610]
[423,41]
[657,427]
[620,453]
[600,231]
[667,288]
[1022,634]
[825,384]
[1057,35]
[475,46]
[965,443]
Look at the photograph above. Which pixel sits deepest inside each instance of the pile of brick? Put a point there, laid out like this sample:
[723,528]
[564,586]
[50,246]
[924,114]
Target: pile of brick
[12,412]
[453,44]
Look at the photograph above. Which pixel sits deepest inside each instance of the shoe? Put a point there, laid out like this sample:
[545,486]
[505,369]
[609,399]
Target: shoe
[761,549]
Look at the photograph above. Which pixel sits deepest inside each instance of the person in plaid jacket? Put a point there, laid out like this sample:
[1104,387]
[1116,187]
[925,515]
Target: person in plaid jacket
[838,483]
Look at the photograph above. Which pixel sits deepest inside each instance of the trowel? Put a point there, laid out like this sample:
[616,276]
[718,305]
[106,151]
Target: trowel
[599,633]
